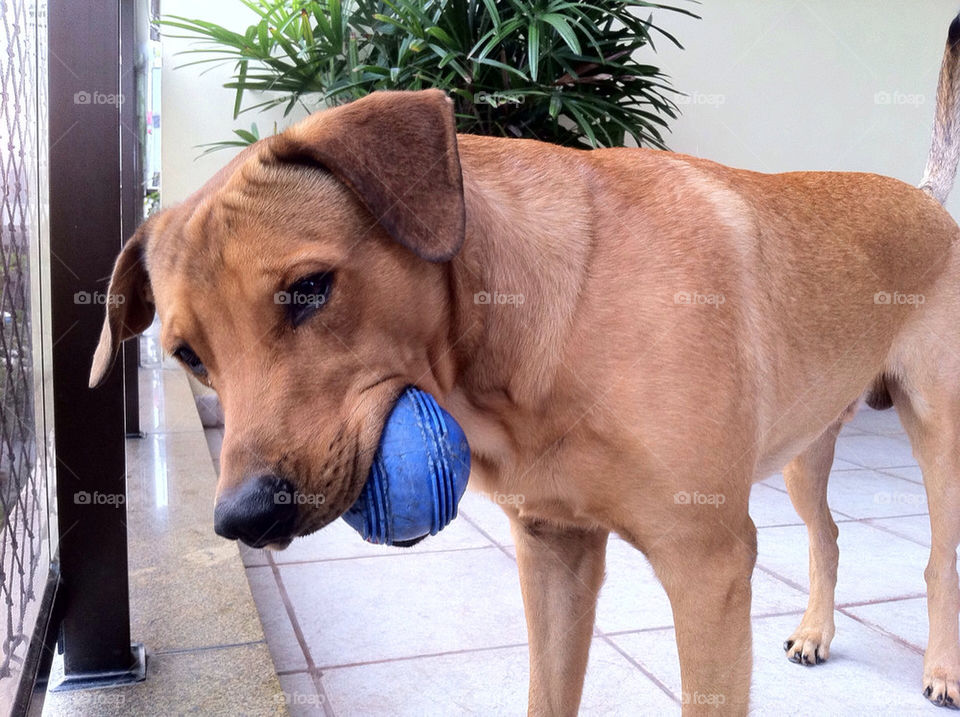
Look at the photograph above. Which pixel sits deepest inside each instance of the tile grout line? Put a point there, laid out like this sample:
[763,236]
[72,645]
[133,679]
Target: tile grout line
[879,601]
[407,658]
[288,673]
[885,529]
[643,670]
[207,648]
[486,535]
[891,517]
[881,469]
[853,603]
[801,524]
[896,468]
[882,631]
[642,630]
[847,517]
[862,467]
[781,578]
[298,633]
[841,521]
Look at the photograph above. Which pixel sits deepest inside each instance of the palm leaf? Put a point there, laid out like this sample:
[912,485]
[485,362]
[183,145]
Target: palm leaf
[566,71]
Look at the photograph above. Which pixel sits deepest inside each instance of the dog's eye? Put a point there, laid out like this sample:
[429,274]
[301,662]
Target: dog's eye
[190,359]
[306,296]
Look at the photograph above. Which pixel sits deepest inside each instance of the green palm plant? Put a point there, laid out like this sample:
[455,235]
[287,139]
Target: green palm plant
[555,70]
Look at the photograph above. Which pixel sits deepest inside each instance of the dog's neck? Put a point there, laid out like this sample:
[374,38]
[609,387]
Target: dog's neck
[515,284]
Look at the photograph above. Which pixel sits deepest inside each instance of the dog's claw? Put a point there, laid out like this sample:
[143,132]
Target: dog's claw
[939,693]
[948,702]
[808,650]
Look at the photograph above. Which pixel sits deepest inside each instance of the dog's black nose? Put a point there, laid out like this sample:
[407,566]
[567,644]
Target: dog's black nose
[260,511]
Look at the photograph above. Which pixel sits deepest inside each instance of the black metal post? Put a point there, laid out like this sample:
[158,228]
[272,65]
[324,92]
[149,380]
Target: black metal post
[131,189]
[85,237]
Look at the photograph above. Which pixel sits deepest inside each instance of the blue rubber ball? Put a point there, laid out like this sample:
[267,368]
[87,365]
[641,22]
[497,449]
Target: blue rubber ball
[418,476]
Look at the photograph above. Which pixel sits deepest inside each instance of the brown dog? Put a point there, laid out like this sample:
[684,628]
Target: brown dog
[684,330]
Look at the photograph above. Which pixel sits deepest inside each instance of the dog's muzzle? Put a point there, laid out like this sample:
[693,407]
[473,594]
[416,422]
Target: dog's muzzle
[418,477]
[259,512]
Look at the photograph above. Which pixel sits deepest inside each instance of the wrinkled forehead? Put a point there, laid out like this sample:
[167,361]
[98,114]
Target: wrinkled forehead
[263,217]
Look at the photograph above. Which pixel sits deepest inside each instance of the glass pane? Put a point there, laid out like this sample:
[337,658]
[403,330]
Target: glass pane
[24,520]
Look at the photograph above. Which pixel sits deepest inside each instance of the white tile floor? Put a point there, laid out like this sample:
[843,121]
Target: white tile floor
[438,629]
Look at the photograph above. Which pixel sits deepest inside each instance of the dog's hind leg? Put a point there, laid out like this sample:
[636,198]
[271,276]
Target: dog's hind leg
[806,477]
[932,420]
[561,570]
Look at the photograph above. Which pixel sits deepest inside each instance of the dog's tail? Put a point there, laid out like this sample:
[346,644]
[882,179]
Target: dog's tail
[944,155]
[941,170]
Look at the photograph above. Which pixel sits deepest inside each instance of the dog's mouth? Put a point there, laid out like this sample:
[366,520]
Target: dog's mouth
[304,514]
[272,513]
[354,466]
[275,544]
[277,512]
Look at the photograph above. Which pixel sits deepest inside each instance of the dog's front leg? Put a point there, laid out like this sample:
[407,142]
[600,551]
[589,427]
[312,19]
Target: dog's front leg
[704,556]
[561,570]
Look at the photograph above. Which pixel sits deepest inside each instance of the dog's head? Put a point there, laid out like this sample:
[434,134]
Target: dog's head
[307,283]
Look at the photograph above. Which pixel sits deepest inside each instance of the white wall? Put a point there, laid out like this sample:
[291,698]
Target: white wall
[787,85]
[777,85]
[196,109]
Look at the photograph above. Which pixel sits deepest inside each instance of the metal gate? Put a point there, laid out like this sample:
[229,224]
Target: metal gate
[25,520]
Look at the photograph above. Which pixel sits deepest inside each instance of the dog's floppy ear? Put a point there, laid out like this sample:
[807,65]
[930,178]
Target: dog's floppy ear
[397,151]
[130,306]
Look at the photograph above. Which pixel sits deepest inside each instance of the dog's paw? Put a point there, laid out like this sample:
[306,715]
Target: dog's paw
[807,647]
[941,687]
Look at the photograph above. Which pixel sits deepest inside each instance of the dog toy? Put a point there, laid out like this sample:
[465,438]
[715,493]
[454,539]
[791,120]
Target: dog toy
[418,476]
